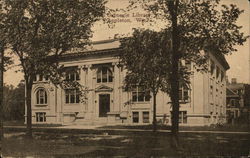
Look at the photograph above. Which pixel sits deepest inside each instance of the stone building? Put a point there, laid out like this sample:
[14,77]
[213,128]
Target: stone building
[238,102]
[98,69]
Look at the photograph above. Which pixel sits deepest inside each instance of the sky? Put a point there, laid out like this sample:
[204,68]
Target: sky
[239,61]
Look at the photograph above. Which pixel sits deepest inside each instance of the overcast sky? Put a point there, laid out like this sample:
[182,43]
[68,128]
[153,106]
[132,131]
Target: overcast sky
[238,61]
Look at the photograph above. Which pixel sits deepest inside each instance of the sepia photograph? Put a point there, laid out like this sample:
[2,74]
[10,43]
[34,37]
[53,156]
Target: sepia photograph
[124,78]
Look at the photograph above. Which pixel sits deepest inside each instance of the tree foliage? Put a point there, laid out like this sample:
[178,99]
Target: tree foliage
[39,32]
[144,56]
[14,102]
[197,28]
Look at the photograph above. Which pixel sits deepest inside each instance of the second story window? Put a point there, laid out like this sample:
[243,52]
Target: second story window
[184,94]
[41,97]
[140,95]
[72,74]
[72,96]
[188,65]
[104,75]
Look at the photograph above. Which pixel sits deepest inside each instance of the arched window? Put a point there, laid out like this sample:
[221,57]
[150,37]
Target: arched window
[41,96]
[104,74]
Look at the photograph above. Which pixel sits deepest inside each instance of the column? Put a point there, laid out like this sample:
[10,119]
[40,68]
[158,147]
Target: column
[90,95]
[116,96]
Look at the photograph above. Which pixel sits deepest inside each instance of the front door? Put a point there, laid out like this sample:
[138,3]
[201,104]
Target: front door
[104,105]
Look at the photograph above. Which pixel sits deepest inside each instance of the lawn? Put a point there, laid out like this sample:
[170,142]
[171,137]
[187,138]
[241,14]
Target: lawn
[226,127]
[58,144]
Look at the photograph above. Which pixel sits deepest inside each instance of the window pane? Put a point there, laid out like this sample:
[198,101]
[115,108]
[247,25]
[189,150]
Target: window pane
[45,96]
[72,98]
[40,77]
[77,98]
[134,96]
[41,100]
[180,117]
[104,75]
[77,76]
[37,97]
[99,76]
[67,77]
[141,96]
[145,116]
[147,97]
[184,117]
[180,94]
[72,77]
[110,76]
[188,65]
[44,117]
[67,98]
[135,117]
[186,95]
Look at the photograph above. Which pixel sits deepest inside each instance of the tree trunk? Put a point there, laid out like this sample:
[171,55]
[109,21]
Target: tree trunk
[28,91]
[1,90]
[174,78]
[154,113]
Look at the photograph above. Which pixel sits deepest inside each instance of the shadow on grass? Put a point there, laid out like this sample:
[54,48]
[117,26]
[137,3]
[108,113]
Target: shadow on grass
[225,127]
[60,145]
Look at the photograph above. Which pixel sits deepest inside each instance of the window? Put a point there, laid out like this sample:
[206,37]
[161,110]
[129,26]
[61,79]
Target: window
[212,66]
[41,96]
[233,102]
[104,75]
[72,75]
[145,117]
[40,117]
[184,93]
[188,65]
[135,117]
[182,116]
[72,96]
[40,77]
[140,95]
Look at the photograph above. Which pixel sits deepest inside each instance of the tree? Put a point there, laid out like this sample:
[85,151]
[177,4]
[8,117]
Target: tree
[39,32]
[144,56]
[197,28]
[1,90]
[14,102]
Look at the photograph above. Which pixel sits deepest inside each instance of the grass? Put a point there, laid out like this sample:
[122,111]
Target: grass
[58,144]
[226,127]
[21,123]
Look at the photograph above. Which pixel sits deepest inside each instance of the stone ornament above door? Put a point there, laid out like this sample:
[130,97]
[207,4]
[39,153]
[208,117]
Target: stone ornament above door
[103,88]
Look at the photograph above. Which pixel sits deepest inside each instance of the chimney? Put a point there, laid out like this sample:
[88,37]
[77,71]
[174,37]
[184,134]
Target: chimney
[234,81]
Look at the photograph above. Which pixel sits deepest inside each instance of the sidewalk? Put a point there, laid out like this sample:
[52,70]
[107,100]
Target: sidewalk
[94,129]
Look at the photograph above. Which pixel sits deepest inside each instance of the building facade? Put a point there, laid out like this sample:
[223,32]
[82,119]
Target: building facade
[107,102]
[238,102]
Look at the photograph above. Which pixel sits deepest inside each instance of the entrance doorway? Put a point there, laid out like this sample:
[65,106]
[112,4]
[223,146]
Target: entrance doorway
[104,104]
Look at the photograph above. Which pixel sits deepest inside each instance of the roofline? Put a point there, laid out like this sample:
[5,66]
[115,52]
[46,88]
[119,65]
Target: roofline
[221,58]
[70,56]
[232,91]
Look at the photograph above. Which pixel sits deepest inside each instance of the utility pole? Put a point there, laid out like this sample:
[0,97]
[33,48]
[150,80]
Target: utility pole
[1,89]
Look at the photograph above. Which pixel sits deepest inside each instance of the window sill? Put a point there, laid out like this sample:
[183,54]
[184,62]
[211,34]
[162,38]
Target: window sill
[41,105]
[69,104]
[142,102]
[40,81]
